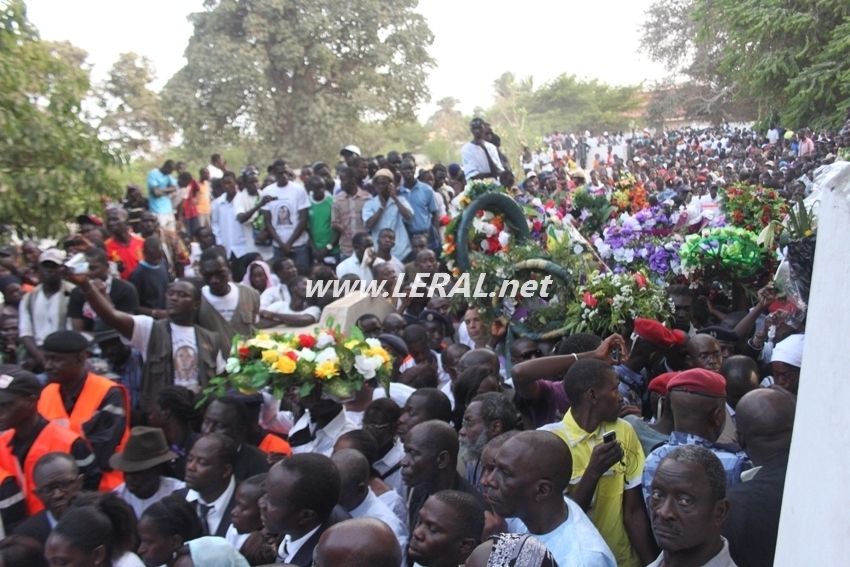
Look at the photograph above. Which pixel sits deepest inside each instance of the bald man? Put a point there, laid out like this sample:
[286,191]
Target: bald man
[358,542]
[359,500]
[479,356]
[742,375]
[528,482]
[430,464]
[765,424]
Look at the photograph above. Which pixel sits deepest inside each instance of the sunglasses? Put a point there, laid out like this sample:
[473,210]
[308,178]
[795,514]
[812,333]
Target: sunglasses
[531,354]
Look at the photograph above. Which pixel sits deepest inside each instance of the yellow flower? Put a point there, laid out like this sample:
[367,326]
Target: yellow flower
[262,336]
[327,370]
[285,365]
[351,344]
[377,351]
[270,356]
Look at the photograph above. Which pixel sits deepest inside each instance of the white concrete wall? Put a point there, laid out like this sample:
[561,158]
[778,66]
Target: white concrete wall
[815,524]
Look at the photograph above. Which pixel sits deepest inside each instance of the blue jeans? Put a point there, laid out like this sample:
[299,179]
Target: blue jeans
[300,255]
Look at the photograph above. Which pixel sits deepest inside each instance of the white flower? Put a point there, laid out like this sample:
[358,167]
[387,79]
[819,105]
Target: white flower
[374,343]
[578,249]
[504,238]
[324,340]
[367,365]
[329,354]
[232,365]
[536,202]
[263,344]
[307,354]
[485,245]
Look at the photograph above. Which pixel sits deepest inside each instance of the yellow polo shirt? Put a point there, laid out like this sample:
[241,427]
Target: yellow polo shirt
[606,509]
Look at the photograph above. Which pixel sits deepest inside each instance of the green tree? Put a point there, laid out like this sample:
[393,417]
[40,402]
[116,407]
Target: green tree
[299,75]
[52,165]
[792,56]
[695,87]
[132,118]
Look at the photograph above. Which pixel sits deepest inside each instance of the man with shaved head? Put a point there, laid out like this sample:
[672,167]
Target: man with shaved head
[423,405]
[528,481]
[742,376]
[479,356]
[704,352]
[358,499]
[363,542]
[765,423]
[430,464]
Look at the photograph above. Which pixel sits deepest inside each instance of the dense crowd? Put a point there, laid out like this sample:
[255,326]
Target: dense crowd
[665,446]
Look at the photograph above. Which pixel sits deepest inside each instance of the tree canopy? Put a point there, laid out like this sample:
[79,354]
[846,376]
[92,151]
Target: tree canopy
[298,75]
[52,164]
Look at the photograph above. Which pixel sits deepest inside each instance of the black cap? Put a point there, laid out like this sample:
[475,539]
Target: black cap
[15,382]
[430,315]
[65,342]
[721,334]
[395,343]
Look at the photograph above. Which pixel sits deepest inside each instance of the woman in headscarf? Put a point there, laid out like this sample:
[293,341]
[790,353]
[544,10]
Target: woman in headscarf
[511,550]
[259,276]
[211,551]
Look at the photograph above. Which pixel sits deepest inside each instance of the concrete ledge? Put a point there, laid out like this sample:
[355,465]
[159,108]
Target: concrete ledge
[345,312]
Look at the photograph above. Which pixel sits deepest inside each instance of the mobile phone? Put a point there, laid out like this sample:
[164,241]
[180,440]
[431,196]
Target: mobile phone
[609,436]
[615,355]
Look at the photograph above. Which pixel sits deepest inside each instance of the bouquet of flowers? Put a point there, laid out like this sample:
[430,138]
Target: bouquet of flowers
[750,207]
[489,233]
[607,301]
[629,195]
[725,254]
[642,241]
[326,358]
[592,212]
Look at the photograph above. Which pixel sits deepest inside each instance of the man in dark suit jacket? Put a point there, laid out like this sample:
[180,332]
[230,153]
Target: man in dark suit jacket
[301,503]
[229,416]
[764,420]
[210,483]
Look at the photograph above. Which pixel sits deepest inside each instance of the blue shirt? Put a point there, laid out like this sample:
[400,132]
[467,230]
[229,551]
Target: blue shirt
[733,463]
[423,203]
[159,180]
[391,218]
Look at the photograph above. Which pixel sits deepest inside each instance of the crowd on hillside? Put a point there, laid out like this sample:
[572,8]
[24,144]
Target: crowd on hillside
[665,447]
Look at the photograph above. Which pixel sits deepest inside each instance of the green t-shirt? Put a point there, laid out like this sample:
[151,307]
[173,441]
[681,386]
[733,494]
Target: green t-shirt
[319,223]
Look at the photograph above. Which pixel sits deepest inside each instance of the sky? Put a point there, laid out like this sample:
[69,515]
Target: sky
[475,40]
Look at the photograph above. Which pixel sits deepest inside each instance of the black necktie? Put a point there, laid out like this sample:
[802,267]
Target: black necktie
[203,510]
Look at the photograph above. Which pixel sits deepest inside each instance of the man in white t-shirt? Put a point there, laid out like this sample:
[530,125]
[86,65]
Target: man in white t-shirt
[237,305]
[356,265]
[175,350]
[217,166]
[286,217]
[480,158]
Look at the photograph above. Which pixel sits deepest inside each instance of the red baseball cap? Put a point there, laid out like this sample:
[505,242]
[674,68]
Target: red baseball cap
[659,383]
[699,381]
[657,334]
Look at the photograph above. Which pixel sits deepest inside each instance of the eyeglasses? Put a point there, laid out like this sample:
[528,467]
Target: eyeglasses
[530,354]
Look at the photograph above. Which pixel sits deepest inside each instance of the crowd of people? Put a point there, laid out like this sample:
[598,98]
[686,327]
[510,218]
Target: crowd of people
[665,447]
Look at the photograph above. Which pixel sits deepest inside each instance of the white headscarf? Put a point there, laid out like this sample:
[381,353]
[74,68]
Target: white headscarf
[215,552]
[789,351]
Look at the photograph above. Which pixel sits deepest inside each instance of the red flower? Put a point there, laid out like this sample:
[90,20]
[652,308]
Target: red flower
[307,341]
[589,300]
[244,353]
[291,354]
[641,280]
[538,225]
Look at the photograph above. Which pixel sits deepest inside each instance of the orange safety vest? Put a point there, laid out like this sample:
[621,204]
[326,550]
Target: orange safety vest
[53,438]
[274,444]
[51,406]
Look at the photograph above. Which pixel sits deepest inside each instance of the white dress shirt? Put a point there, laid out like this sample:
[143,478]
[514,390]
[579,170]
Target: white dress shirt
[167,485]
[388,461]
[227,230]
[216,514]
[326,437]
[235,539]
[372,507]
[288,548]
[475,160]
